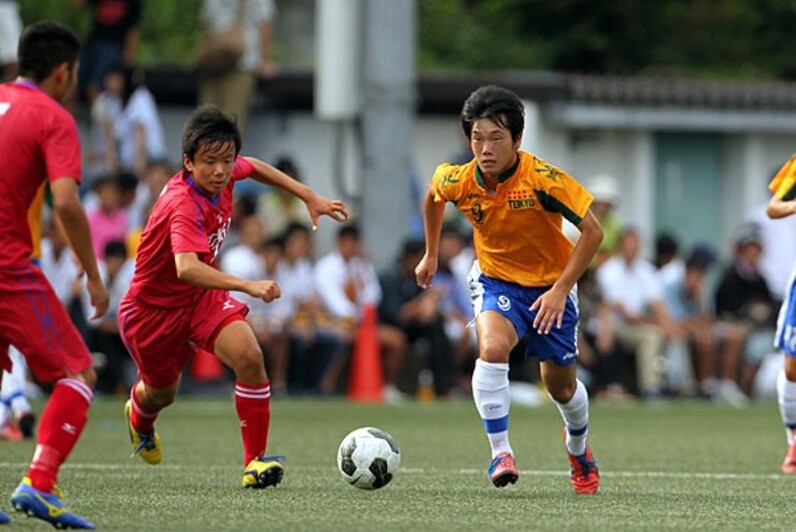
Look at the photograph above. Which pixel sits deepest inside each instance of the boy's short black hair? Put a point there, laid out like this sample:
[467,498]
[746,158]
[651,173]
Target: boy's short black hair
[116,248]
[277,242]
[293,228]
[497,104]
[45,45]
[209,125]
[348,231]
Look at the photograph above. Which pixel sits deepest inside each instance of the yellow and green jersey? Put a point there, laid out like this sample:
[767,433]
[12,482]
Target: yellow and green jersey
[517,230]
[783,185]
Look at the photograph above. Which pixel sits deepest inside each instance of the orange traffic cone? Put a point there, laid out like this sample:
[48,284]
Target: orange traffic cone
[366,382]
[206,367]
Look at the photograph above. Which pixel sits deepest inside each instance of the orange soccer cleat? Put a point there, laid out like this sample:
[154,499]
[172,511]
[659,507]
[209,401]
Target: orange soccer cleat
[789,465]
[502,470]
[584,473]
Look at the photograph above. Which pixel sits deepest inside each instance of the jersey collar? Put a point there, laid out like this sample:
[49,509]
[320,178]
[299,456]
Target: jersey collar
[191,183]
[502,178]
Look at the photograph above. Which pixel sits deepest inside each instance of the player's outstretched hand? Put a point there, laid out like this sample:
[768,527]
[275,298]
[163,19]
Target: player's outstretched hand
[265,290]
[319,205]
[425,271]
[99,297]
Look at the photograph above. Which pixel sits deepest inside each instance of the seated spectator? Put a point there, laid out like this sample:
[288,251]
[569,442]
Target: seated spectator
[277,208]
[117,373]
[670,266]
[639,320]
[346,283]
[455,304]
[418,313]
[601,358]
[690,311]
[108,221]
[317,347]
[744,301]
[139,130]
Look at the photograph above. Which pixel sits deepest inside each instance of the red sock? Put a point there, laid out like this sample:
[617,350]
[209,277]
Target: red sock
[253,404]
[60,426]
[142,419]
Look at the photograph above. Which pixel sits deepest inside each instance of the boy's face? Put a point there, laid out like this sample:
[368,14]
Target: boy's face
[493,146]
[212,166]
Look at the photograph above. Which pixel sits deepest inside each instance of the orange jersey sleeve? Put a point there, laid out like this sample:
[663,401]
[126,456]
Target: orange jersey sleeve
[783,185]
[34,221]
[518,235]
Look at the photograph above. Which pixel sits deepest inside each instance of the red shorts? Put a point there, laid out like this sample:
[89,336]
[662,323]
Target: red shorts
[161,340]
[34,320]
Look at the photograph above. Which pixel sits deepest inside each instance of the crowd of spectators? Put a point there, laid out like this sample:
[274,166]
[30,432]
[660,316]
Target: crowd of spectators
[678,325]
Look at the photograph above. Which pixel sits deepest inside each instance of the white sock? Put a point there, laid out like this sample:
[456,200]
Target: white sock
[575,413]
[492,400]
[5,413]
[786,396]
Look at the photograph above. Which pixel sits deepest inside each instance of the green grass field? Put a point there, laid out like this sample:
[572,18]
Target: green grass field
[664,466]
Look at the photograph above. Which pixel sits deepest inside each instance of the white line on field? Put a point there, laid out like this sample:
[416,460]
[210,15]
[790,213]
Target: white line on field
[421,471]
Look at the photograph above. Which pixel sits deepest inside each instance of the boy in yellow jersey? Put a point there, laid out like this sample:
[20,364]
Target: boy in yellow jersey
[783,204]
[523,281]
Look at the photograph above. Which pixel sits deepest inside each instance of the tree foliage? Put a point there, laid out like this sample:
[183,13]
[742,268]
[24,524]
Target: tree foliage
[704,38]
[741,39]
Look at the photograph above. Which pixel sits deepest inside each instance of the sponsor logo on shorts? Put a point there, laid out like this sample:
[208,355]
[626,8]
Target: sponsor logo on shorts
[228,305]
[569,356]
[504,303]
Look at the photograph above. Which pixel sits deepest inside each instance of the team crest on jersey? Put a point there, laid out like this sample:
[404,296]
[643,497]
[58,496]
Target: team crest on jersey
[216,239]
[521,199]
[504,303]
[546,169]
[449,179]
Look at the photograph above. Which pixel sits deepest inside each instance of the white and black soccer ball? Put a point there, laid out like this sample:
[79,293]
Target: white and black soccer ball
[368,458]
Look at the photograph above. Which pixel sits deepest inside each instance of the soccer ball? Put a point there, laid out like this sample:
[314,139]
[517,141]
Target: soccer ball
[368,458]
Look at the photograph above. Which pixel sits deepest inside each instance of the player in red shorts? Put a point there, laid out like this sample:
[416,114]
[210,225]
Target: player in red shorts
[179,302]
[39,141]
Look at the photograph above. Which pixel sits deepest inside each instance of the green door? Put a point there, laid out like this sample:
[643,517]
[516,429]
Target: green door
[688,187]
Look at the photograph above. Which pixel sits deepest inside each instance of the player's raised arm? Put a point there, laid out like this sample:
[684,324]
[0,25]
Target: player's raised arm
[317,205]
[66,203]
[780,208]
[433,212]
[191,270]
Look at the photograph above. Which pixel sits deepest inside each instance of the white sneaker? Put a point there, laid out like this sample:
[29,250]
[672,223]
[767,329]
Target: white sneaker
[393,395]
[729,393]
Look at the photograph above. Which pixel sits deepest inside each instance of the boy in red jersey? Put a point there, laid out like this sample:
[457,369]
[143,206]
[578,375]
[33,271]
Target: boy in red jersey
[523,281]
[39,141]
[178,300]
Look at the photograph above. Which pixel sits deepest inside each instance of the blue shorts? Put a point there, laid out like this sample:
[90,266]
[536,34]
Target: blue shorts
[785,338]
[514,302]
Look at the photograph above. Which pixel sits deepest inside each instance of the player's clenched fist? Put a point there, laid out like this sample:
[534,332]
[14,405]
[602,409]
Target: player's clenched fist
[265,290]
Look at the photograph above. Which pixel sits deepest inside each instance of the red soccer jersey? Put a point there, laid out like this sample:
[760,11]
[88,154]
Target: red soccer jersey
[184,219]
[38,141]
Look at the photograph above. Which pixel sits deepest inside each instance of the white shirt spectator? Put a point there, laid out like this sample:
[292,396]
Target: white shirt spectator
[298,283]
[141,111]
[634,285]
[779,249]
[244,263]
[332,273]
[61,271]
[221,14]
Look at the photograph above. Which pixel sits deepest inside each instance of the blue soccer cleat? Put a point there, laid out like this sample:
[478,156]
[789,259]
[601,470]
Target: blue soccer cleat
[4,519]
[47,507]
